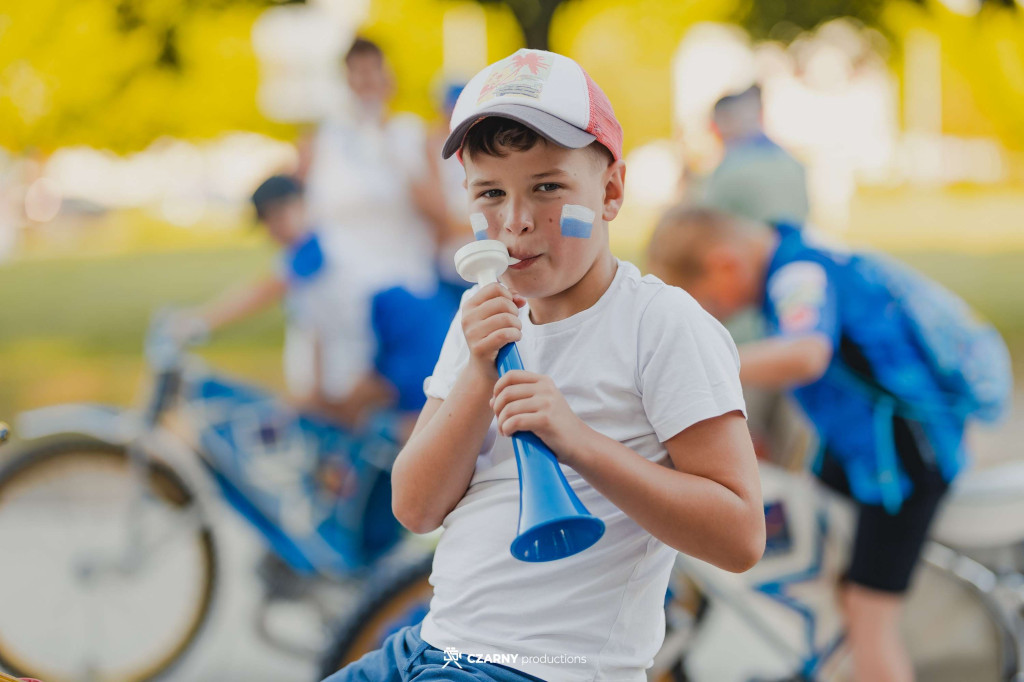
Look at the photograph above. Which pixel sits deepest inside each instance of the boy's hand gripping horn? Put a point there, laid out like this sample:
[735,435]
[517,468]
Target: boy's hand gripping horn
[553,523]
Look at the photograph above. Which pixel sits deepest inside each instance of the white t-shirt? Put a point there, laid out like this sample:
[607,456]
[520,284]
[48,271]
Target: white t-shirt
[359,190]
[642,364]
[329,308]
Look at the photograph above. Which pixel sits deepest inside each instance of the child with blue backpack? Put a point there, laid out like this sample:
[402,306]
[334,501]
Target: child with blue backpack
[887,366]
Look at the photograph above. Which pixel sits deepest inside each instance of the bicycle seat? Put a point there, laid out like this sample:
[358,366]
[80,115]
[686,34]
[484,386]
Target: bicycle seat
[984,508]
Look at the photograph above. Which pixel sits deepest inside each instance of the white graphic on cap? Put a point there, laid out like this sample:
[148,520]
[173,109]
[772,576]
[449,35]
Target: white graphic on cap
[521,75]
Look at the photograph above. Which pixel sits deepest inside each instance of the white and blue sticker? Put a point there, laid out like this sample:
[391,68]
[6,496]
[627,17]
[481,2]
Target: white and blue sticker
[479,223]
[577,221]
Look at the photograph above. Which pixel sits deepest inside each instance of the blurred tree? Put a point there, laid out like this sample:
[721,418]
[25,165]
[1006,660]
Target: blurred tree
[412,34]
[121,74]
[534,18]
[783,20]
[982,66]
[629,48]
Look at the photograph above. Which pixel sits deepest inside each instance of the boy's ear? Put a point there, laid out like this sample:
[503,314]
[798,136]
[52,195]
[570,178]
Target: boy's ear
[614,189]
[721,259]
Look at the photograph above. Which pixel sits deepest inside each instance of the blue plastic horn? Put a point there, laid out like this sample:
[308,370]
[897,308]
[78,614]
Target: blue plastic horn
[553,523]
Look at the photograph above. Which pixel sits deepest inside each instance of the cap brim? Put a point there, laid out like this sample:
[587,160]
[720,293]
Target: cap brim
[544,124]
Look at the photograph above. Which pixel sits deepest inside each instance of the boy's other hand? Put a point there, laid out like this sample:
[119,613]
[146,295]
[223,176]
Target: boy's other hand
[188,328]
[525,401]
[490,320]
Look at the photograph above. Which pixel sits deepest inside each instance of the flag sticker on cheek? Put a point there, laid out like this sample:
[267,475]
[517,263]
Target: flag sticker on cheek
[479,223]
[577,221]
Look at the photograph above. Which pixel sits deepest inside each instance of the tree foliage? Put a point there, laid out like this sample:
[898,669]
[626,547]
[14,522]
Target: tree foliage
[119,74]
[534,18]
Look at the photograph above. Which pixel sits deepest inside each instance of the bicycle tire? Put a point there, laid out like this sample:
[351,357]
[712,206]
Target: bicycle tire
[694,603]
[398,587]
[1003,666]
[36,458]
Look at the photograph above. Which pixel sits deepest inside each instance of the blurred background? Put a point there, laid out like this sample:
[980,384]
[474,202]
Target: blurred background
[132,133]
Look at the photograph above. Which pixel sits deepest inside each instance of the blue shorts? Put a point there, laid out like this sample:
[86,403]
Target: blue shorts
[404,657]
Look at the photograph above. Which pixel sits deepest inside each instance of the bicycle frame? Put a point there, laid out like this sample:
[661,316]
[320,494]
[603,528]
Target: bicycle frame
[226,424]
[788,600]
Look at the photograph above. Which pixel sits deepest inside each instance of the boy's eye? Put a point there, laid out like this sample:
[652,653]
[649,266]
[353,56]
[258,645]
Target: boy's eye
[492,194]
[548,187]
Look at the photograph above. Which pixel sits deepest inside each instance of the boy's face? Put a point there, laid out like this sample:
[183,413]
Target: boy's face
[285,220]
[368,79]
[521,195]
[725,286]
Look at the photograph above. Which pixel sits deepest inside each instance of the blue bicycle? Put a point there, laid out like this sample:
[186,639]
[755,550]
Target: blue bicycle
[107,538]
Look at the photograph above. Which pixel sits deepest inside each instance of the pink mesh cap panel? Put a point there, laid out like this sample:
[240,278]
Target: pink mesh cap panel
[603,124]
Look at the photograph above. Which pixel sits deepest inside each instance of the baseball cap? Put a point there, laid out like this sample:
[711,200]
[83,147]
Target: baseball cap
[545,91]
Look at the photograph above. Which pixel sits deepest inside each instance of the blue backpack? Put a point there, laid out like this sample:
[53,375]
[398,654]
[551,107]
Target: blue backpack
[966,355]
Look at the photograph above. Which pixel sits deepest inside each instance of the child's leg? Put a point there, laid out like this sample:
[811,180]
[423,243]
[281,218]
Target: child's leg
[885,552]
[405,657]
[872,626]
[389,663]
[434,665]
[431,667]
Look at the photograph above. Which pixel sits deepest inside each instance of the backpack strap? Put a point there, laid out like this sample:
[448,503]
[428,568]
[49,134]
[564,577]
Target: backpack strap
[885,407]
[885,455]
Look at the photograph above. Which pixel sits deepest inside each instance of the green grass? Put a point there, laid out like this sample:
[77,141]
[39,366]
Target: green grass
[72,329]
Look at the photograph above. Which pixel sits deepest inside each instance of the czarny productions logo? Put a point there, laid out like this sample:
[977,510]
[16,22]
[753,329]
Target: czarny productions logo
[453,655]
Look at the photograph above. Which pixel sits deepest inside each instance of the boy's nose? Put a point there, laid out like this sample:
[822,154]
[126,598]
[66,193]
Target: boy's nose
[518,218]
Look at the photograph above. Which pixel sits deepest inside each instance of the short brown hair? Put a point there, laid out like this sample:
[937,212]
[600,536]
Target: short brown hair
[498,136]
[686,233]
[363,47]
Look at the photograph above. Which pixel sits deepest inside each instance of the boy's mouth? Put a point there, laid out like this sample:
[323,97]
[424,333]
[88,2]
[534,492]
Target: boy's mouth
[525,261]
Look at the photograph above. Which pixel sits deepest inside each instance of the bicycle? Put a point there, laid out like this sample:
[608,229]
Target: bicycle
[110,509]
[963,617]
[969,592]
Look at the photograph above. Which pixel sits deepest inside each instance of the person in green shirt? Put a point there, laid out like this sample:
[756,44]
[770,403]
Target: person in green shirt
[759,180]
[756,179]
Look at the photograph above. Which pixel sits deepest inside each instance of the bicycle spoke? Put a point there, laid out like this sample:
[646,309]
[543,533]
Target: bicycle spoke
[100,598]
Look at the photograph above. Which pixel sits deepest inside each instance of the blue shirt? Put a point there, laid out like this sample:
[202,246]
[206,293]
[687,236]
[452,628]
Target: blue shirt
[811,288]
[408,328]
[304,259]
[410,331]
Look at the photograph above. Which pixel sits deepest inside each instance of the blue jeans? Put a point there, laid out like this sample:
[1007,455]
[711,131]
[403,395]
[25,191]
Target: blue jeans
[404,657]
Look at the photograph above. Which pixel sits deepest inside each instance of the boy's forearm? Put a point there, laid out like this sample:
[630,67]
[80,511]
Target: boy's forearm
[781,363]
[433,470]
[237,305]
[695,515]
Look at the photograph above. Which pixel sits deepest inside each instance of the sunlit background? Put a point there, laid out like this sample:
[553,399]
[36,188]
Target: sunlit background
[131,134]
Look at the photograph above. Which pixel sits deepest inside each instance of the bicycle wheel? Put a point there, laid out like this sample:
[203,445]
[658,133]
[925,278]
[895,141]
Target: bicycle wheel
[685,607]
[954,633]
[402,598]
[99,582]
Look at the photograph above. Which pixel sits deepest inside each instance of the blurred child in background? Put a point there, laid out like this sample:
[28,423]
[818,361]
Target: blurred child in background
[340,358]
[859,343]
